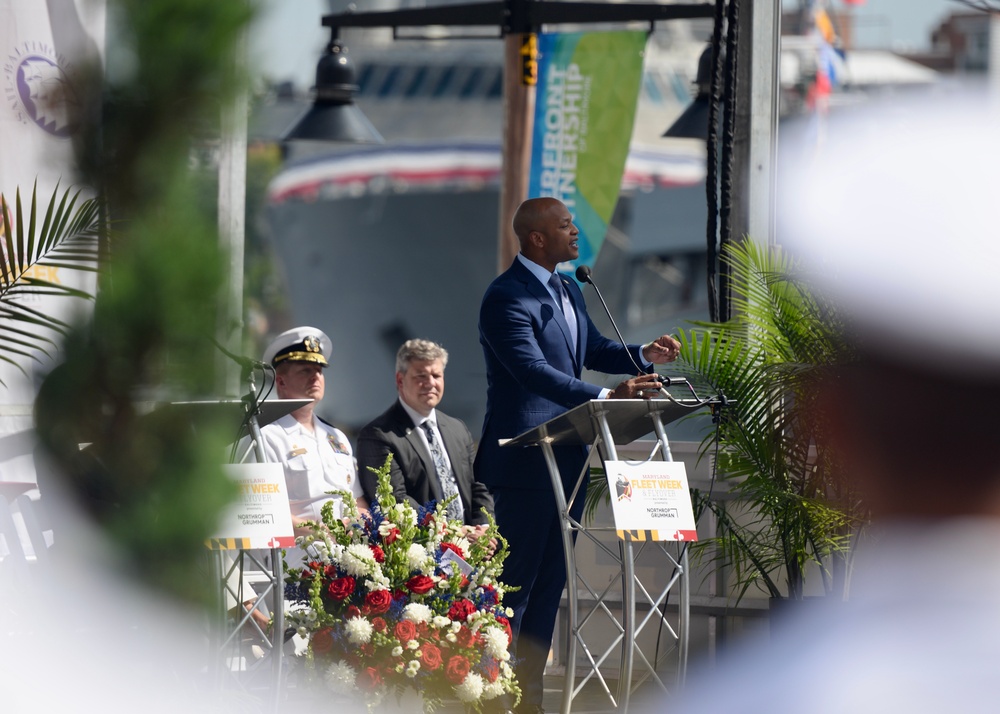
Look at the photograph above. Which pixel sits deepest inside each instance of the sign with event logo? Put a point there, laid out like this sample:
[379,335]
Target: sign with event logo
[650,500]
[260,517]
[585,104]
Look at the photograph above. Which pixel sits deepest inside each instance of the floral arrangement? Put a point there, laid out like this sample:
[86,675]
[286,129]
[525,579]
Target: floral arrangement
[400,598]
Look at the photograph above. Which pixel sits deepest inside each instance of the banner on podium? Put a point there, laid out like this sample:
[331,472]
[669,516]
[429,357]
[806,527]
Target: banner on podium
[260,517]
[650,500]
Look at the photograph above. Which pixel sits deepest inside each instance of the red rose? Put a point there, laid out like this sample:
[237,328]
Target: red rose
[379,624]
[420,584]
[464,637]
[368,679]
[505,624]
[460,610]
[428,517]
[392,536]
[378,553]
[491,671]
[457,669]
[329,571]
[405,631]
[322,641]
[341,588]
[453,548]
[378,601]
[352,611]
[430,656]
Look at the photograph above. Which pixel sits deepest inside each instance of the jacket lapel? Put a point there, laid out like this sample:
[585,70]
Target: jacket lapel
[535,288]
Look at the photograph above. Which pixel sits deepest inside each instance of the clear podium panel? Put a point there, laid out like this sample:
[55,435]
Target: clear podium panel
[628,420]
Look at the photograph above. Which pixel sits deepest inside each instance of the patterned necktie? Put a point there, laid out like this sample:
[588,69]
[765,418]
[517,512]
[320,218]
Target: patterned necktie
[567,307]
[445,475]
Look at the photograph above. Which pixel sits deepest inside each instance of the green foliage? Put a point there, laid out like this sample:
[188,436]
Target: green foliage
[68,238]
[154,481]
[790,509]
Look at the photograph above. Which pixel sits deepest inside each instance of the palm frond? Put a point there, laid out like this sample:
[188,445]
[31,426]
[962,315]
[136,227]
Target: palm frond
[67,239]
[764,360]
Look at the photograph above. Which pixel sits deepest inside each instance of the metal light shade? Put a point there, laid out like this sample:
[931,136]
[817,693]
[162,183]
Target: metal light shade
[693,121]
[333,115]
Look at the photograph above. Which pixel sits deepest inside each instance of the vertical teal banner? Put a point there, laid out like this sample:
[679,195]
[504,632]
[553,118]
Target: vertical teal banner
[585,103]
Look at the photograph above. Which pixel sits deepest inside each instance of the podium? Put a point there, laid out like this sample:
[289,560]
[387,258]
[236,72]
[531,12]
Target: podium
[250,415]
[604,423]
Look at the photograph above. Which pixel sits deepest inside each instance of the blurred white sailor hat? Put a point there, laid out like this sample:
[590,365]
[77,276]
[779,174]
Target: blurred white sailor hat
[895,217]
[299,344]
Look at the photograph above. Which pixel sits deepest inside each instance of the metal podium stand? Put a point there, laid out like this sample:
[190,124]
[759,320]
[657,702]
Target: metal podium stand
[238,412]
[603,423]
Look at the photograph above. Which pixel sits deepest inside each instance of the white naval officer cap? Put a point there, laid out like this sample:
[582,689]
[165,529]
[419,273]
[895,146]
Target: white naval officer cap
[299,344]
[894,214]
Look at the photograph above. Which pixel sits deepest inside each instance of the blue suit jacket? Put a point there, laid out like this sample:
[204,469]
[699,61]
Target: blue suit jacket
[533,374]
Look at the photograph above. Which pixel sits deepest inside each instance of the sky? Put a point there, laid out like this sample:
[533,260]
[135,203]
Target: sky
[288,38]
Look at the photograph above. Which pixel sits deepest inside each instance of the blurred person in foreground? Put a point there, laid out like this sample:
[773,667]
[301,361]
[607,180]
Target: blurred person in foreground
[432,453]
[537,338]
[895,222]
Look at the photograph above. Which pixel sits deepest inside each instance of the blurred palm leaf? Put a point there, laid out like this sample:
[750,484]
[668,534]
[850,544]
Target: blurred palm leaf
[68,238]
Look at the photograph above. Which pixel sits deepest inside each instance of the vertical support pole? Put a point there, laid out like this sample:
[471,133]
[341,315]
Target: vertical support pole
[569,555]
[684,583]
[628,585]
[518,116]
[232,228]
[758,90]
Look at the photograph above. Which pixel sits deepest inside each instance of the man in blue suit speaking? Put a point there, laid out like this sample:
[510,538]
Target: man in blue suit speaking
[537,338]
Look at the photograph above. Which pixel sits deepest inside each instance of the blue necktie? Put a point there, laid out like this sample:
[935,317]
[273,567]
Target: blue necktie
[567,307]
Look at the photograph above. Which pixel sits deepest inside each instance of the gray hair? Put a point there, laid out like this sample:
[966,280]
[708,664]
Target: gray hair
[422,351]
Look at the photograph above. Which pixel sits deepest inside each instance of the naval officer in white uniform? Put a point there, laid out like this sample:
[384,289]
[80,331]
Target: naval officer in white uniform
[316,456]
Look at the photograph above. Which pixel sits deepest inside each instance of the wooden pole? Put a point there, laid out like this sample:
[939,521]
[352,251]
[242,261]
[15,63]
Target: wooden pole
[518,114]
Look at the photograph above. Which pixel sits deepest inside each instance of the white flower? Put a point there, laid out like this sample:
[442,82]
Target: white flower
[470,689]
[358,559]
[397,651]
[440,621]
[405,513]
[412,645]
[417,558]
[377,581]
[358,629]
[463,543]
[301,631]
[451,637]
[340,677]
[385,527]
[412,668]
[495,643]
[417,612]
[492,690]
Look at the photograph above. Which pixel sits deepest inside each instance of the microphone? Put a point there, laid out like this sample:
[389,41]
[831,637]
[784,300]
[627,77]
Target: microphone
[583,275]
[244,362]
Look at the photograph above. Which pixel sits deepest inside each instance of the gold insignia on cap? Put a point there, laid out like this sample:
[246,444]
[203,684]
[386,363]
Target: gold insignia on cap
[311,343]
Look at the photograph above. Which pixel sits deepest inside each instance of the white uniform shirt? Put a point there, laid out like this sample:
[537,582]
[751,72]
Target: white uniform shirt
[314,464]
